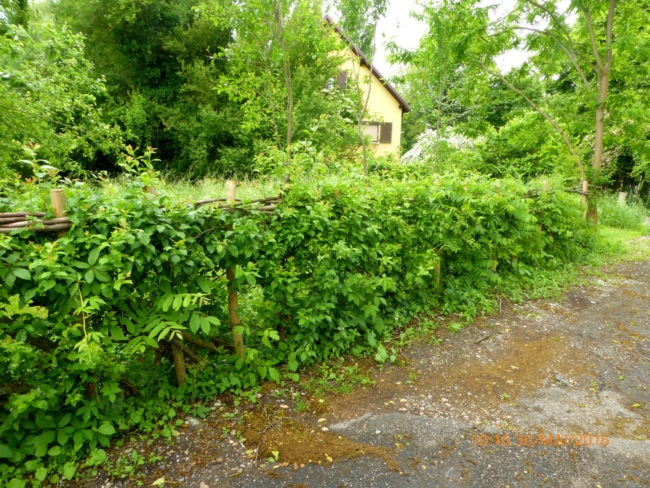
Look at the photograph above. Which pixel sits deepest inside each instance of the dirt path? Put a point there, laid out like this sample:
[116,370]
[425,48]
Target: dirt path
[548,393]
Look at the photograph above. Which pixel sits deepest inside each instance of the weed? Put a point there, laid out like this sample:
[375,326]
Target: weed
[455,327]
[126,465]
[335,378]
[274,457]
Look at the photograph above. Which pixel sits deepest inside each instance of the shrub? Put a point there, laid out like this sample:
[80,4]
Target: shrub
[90,319]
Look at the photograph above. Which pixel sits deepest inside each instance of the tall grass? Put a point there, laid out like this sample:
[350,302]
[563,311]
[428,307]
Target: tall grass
[191,191]
[622,215]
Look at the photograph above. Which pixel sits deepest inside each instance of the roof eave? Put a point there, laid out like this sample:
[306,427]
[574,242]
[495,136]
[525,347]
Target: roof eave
[364,61]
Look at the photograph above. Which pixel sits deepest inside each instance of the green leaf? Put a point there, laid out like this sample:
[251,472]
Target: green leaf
[102,276]
[117,333]
[54,451]
[94,254]
[293,364]
[41,473]
[5,451]
[195,323]
[63,435]
[274,374]
[44,421]
[106,428]
[22,273]
[69,470]
[204,284]
[10,279]
[89,276]
[97,457]
[64,420]
[205,326]
[78,438]
[17,483]
[381,355]
[42,441]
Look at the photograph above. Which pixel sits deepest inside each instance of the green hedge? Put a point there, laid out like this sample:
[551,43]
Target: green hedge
[87,318]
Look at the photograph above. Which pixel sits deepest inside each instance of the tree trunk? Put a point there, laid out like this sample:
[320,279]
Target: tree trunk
[603,69]
[288,81]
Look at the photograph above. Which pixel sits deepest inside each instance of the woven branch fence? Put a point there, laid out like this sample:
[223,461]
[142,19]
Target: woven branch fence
[13,222]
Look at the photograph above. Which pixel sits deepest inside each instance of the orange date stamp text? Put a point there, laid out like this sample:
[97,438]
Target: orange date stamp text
[542,440]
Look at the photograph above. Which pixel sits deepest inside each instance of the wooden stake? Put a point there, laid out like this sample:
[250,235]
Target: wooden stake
[231,191]
[57,198]
[591,210]
[179,363]
[235,320]
[233,303]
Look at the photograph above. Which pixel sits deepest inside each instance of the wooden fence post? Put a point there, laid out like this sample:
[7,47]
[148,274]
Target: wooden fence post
[233,303]
[179,363]
[57,199]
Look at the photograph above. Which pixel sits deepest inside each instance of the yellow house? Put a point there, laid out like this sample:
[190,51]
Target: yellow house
[384,107]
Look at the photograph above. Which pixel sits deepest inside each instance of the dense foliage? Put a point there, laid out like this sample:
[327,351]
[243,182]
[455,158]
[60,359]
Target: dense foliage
[88,318]
[211,101]
[578,90]
[81,79]
[158,61]
[92,322]
[50,97]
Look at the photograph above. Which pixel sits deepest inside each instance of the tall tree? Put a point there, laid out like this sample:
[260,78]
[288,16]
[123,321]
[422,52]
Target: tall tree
[277,68]
[588,48]
[49,98]
[576,46]
[443,83]
[157,57]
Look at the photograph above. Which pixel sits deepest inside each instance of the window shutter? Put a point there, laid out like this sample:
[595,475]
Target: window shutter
[342,80]
[386,135]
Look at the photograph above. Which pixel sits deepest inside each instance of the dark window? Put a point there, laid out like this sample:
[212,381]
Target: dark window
[386,134]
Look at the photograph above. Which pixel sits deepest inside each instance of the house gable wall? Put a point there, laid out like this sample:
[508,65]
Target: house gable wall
[383,107]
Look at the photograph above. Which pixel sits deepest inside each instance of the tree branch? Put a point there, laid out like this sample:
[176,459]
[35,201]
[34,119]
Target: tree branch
[570,54]
[540,111]
[592,38]
[558,23]
[609,34]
